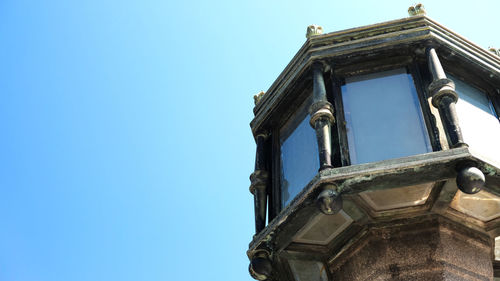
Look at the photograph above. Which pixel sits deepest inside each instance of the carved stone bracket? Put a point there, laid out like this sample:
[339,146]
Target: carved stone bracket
[329,201]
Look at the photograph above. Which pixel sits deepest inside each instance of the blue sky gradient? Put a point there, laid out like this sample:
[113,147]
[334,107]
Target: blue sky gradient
[125,147]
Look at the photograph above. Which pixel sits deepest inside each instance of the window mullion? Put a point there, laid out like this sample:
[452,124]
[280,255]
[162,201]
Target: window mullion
[341,130]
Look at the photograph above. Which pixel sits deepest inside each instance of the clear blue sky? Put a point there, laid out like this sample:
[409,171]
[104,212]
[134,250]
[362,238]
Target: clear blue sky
[125,148]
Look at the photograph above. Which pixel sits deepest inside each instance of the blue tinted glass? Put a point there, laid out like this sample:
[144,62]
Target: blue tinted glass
[478,120]
[383,116]
[299,154]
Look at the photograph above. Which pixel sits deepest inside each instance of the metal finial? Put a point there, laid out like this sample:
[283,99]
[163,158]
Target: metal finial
[313,30]
[417,10]
[258,97]
[261,267]
[470,180]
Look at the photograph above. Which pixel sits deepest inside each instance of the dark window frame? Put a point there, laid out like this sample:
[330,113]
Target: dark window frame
[473,74]
[300,119]
[416,68]
[475,81]
[282,115]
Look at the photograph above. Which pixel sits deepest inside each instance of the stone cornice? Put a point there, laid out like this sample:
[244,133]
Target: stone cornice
[416,31]
[433,166]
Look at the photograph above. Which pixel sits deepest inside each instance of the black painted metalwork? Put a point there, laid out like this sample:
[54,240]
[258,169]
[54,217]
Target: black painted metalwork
[260,267]
[470,179]
[297,233]
[341,131]
[321,112]
[444,99]
[259,182]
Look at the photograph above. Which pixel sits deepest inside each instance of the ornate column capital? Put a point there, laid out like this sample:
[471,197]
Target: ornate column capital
[262,134]
[318,65]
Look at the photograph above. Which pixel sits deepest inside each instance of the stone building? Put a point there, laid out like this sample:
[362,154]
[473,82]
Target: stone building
[378,158]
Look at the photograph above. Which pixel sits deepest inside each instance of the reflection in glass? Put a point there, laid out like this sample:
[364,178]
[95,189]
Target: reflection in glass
[299,154]
[478,120]
[383,117]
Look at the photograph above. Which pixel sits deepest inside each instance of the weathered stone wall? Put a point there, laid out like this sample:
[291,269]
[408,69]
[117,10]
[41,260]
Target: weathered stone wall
[430,250]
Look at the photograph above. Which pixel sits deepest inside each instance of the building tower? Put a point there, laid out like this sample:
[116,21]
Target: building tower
[378,158]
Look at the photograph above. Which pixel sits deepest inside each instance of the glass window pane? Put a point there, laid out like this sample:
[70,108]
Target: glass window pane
[478,120]
[299,154]
[383,116]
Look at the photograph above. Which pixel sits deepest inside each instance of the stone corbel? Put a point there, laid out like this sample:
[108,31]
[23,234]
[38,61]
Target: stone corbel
[329,200]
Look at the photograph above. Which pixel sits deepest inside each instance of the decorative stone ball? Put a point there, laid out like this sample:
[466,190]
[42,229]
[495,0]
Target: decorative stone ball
[470,180]
[329,202]
[260,268]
